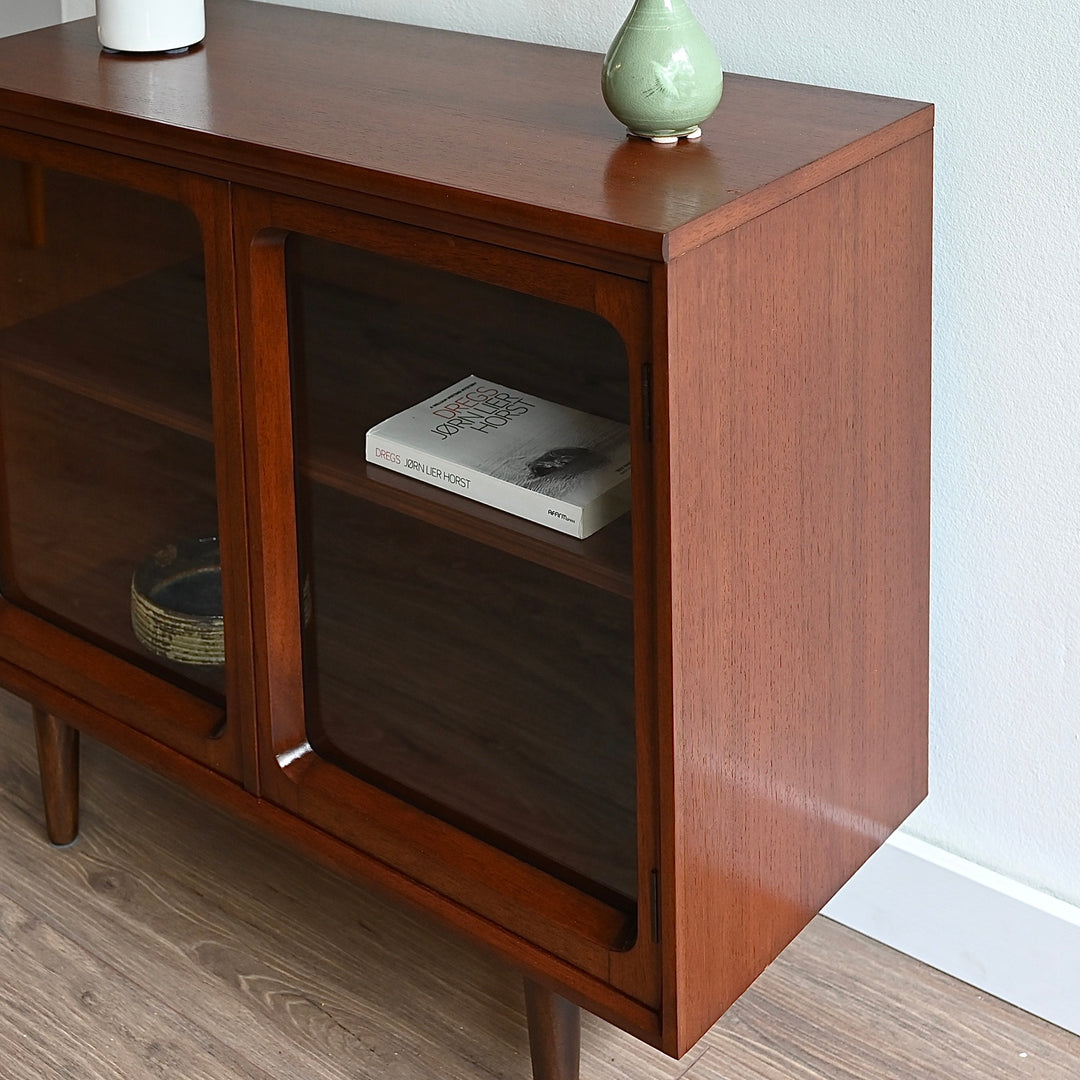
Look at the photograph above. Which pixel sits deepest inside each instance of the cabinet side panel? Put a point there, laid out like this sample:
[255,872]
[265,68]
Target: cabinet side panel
[798,424]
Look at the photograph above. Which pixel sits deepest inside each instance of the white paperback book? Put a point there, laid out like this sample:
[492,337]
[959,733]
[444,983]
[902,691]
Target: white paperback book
[545,462]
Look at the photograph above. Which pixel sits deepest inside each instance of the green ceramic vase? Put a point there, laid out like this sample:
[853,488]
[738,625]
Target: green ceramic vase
[662,76]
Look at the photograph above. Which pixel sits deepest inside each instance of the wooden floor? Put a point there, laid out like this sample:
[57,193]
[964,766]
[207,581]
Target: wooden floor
[170,942]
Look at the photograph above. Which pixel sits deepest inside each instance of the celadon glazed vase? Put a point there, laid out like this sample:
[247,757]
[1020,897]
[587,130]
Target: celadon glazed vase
[661,76]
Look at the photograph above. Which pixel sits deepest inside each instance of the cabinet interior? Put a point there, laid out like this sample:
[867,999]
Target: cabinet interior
[435,624]
[105,403]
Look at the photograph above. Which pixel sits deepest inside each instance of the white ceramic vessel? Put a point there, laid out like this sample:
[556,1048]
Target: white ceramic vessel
[150,25]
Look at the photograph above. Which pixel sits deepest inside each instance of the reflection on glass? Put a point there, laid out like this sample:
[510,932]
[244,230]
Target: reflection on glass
[491,689]
[105,418]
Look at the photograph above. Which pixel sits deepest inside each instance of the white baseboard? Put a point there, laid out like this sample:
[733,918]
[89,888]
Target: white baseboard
[1008,939]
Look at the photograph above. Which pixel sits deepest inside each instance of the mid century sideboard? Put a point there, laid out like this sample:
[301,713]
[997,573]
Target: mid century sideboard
[635,765]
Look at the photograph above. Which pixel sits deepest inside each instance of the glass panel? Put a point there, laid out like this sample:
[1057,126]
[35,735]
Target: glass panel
[480,679]
[105,421]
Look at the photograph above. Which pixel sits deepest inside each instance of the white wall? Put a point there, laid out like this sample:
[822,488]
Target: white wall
[19,15]
[1006,518]
[77,9]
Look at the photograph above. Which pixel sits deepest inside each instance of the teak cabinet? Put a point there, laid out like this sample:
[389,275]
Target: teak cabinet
[634,765]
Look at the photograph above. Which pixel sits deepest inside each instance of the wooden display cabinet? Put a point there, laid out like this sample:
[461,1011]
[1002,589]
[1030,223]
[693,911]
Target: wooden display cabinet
[635,765]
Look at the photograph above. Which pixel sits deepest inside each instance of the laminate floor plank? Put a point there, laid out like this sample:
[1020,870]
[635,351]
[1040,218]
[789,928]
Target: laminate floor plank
[837,1005]
[841,1006]
[142,896]
[173,941]
[83,1019]
[143,927]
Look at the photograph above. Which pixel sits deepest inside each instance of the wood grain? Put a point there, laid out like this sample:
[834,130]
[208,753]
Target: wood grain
[192,945]
[552,162]
[799,501]
[84,1019]
[169,916]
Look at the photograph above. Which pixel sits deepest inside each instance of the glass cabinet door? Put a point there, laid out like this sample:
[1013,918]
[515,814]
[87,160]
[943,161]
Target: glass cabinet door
[109,530]
[492,689]
[479,670]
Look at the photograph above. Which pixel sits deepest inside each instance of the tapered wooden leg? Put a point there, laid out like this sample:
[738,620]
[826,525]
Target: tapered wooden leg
[58,765]
[554,1034]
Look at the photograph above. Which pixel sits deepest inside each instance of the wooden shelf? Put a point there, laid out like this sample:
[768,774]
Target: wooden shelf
[99,348]
[140,348]
[372,335]
[603,559]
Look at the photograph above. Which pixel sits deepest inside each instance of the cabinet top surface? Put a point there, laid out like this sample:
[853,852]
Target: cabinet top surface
[504,131]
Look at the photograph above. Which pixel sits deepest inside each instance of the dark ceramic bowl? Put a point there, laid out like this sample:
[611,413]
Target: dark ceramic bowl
[176,608]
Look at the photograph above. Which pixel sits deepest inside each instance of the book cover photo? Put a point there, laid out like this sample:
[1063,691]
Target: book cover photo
[545,462]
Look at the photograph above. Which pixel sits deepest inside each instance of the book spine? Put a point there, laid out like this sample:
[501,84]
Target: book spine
[502,495]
